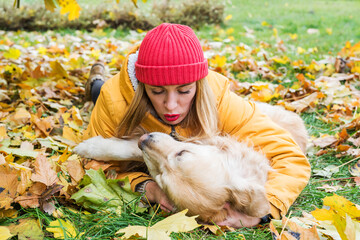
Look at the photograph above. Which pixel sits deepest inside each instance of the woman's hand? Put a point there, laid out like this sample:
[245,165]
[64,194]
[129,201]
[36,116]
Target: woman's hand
[236,219]
[155,194]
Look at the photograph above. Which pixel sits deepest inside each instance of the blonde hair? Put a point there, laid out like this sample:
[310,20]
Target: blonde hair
[202,118]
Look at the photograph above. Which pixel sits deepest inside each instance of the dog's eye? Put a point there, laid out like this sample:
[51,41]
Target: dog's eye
[181,153]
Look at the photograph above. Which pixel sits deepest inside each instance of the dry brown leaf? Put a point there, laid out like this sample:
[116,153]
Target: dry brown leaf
[302,104]
[218,230]
[43,171]
[21,116]
[3,134]
[25,176]
[75,169]
[8,185]
[44,124]
[355,141]
[329,188]
[355,169]
[324,142]
[32,196]
[357,181]
[28,200]
[96,165]
[2,159]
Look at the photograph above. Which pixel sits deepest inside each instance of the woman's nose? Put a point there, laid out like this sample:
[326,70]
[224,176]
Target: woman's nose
[171,101]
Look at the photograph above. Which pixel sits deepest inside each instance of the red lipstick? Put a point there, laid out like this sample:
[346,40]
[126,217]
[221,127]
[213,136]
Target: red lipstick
[171,117]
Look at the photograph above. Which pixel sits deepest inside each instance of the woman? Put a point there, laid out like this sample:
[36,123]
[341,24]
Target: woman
[165,86]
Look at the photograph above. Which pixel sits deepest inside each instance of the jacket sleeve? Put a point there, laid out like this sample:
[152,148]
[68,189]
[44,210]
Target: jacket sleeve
[104,119]
[244,121]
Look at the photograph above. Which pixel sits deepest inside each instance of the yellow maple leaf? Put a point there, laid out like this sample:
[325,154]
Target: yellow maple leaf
[58,70]
[5,233]
[12,53]
[162,230]
[71,7]
[218,61]
[71,134]
[13,69]
[50,5]
[61,228]
[340,214]
[342,206]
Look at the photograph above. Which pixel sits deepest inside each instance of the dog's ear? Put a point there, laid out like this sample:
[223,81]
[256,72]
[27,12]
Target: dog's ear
[252,202]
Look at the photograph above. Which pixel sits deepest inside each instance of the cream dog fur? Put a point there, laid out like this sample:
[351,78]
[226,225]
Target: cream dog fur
[204,175]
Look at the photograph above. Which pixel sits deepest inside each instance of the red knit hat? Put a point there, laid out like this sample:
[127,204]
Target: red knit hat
[170,54]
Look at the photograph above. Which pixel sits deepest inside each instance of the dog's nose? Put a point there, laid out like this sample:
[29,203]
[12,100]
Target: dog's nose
[143,140]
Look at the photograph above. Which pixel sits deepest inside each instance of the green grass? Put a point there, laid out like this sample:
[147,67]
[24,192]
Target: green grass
[296,17]
[288,17]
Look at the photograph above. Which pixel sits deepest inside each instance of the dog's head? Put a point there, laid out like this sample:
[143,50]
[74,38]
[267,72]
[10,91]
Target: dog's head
[202,176]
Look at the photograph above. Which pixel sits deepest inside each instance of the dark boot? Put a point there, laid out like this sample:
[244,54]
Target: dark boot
[97,72]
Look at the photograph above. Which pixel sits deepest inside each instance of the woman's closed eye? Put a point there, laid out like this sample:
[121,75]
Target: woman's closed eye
[157,92]
[184,92]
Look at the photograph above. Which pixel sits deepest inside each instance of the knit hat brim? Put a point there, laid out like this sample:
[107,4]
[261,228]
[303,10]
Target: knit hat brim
[171,75]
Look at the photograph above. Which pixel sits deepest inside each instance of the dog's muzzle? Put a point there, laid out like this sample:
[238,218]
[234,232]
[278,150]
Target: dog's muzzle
[143,140]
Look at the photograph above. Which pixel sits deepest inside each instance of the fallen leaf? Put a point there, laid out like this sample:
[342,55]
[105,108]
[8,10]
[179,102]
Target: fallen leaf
[28,229]
[71,135]
[302,104]
[75,168]
[218,230]
[43,171]
[21,116]
[8,185]
[12,53]
[162,230]
[57,68]
[342,206]
[355,169]
[62,229]
[352,230]
[325,141]
[19,152]
[44,124]
[329,188]
[10,213]
[66,154]
[327,171]
[357,181]
[5,233]
[104,193]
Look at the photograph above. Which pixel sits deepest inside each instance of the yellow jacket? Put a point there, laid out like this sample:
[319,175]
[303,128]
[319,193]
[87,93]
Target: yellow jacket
[237,117]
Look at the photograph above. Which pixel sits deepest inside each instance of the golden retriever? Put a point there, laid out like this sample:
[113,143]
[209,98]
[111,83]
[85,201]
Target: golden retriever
[204,175]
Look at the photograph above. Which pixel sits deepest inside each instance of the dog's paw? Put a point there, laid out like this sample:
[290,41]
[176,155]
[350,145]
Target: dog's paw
[90,148]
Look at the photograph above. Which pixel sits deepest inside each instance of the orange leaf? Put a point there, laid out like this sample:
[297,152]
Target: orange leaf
[43,171]
[8,185]
[75,169]
[70,134]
